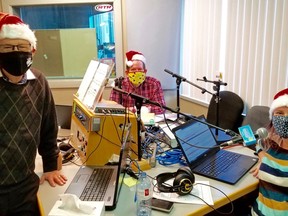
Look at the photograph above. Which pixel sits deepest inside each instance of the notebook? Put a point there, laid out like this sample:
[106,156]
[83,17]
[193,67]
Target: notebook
[110,178]
[205,157]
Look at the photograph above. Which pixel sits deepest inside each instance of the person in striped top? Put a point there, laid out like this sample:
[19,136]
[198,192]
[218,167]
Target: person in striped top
[272,169]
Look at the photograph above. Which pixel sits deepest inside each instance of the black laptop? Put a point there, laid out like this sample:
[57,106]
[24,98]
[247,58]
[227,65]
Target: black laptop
[206,158]
[93,183]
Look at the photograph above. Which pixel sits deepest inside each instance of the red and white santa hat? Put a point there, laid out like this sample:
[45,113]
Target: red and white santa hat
[280,100]
[134,55]
[14,28]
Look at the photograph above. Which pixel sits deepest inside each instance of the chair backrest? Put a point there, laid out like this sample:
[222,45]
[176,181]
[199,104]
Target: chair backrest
[230,110]
[64,113]
[257,117]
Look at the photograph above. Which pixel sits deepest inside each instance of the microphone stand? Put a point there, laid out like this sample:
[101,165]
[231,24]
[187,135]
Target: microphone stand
[180,79]
[217,98]
[146,100]
[138,104]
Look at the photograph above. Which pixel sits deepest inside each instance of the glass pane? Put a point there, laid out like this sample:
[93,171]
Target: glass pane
[69,36]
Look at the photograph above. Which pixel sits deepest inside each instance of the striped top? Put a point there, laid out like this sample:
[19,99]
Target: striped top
[273,183]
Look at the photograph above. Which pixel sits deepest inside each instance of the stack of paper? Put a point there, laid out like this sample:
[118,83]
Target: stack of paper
[93,83]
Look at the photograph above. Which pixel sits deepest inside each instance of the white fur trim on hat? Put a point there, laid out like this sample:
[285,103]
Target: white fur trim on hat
[281,101]
[139,57]
[18,31]
[129,63]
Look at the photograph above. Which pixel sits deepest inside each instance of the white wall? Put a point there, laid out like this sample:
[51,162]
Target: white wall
[153,28]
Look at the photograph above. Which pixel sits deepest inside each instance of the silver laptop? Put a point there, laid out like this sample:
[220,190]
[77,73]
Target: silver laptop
[205,157]
[93,183]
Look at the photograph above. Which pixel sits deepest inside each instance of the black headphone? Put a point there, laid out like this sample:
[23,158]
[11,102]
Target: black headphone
[182,184]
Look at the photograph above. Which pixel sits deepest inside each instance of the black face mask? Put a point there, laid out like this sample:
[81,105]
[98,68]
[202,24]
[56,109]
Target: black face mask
[16,63]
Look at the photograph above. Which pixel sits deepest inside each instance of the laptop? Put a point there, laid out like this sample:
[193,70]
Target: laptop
[206,158]
[110,178]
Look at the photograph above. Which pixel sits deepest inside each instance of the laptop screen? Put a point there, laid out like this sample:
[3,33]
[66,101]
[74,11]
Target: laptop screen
[195,139]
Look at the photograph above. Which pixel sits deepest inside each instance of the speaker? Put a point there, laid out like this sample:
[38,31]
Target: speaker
[182,184]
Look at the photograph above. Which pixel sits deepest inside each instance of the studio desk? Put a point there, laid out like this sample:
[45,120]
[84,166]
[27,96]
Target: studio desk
[49,195]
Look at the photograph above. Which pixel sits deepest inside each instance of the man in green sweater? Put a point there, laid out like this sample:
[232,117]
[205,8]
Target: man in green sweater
[27,122]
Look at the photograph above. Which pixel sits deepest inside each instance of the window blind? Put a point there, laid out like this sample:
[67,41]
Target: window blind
[247,41]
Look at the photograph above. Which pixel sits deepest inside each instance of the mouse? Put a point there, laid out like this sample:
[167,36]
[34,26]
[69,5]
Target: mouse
[65,146]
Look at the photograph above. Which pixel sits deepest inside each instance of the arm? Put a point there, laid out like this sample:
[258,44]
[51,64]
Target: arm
[115,96]
[48,148]
[158,96]
[260,154]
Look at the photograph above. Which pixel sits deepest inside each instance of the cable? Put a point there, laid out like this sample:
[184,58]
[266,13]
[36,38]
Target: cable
[155,189]
[223,213]
[172,156]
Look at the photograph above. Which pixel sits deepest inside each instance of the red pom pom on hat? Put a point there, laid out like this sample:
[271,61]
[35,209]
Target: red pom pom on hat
[280,100]
[13,27]
[134,55]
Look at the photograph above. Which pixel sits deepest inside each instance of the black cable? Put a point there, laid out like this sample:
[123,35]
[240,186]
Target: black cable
[155,185]
[223,213]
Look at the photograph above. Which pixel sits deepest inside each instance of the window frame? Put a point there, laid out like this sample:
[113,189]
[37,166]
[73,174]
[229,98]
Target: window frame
[7,6]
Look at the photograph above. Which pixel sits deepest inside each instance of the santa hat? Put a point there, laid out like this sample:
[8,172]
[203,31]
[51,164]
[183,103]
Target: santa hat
[14,28]
[133,55]
[280,100]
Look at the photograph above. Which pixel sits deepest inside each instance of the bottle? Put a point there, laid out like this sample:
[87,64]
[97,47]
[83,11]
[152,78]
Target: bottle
[144,195]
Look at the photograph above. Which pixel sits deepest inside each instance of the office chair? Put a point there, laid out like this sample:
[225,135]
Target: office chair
[64,113]
[257,117]
[230,111]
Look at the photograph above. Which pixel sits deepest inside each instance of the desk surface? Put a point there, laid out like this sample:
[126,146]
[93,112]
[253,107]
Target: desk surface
[48,195]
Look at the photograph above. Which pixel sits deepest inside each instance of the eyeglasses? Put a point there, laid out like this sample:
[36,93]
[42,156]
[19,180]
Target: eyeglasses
[11,48]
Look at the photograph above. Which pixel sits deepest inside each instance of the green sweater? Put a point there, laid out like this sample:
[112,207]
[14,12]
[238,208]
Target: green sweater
[27,122]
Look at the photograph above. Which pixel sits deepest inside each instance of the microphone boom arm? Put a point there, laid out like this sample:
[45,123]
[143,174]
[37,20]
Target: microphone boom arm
[147,101]
[203,90]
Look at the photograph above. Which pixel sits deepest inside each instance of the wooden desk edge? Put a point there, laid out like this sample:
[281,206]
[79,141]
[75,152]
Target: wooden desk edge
[220,203]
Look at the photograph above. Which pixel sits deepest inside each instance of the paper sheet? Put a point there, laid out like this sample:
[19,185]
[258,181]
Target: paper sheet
[70,204]
[202,191]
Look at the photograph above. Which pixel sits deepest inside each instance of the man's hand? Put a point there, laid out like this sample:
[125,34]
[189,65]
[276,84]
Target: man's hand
[54,178]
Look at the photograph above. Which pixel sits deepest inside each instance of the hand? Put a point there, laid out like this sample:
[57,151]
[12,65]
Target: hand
[54,178]
[255,170]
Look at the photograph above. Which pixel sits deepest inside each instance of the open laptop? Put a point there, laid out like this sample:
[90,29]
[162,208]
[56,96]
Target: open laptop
[109,186]
[205,157]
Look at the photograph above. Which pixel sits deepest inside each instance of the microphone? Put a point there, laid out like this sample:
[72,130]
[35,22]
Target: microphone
[118,82]
[260,133]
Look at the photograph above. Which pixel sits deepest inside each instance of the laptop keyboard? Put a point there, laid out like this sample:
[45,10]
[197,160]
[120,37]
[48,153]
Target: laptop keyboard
[97,185]
[219,165]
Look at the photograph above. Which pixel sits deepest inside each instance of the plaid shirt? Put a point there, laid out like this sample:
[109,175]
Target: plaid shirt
[150,88]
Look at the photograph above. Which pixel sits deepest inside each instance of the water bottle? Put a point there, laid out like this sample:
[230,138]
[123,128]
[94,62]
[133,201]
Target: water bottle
[144,195]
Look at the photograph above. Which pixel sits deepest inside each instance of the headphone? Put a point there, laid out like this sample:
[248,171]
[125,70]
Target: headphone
[182,184]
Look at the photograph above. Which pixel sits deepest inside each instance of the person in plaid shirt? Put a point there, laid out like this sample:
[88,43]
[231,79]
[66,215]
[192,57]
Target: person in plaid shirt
[138,83]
